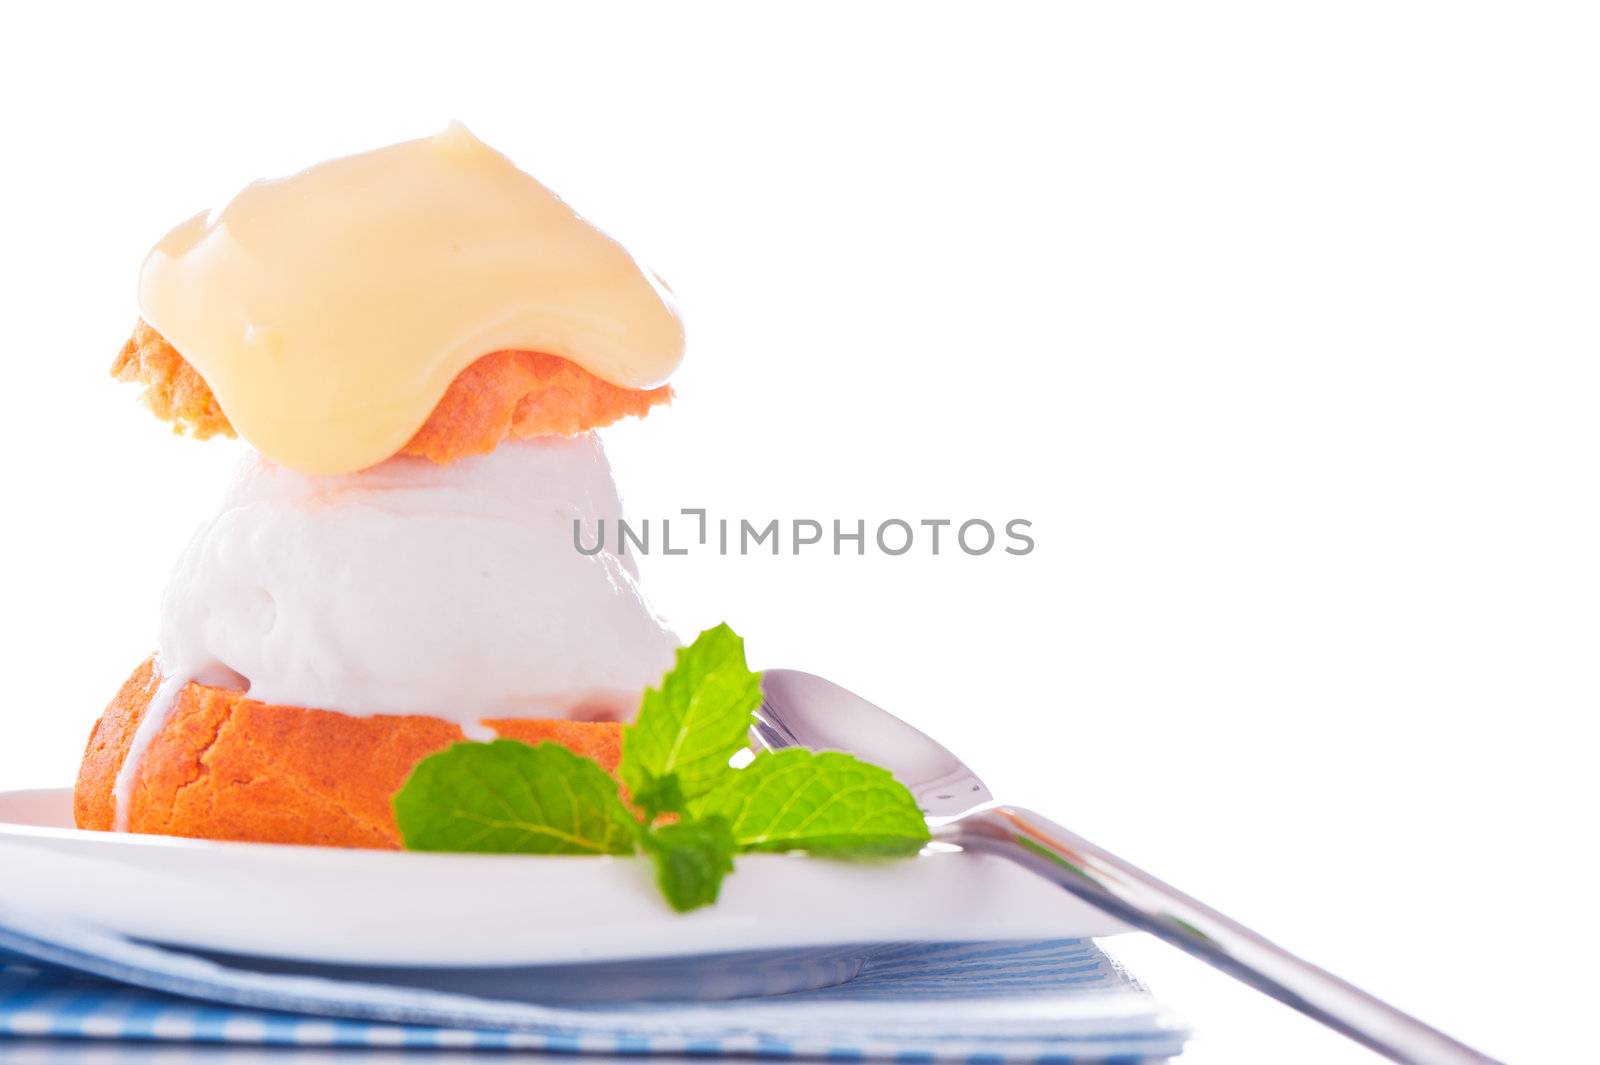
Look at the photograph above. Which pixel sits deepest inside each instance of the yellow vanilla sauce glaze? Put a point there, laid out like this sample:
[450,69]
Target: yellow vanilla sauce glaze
[330,310]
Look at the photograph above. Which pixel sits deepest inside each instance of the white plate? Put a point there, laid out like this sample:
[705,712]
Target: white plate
[354,907]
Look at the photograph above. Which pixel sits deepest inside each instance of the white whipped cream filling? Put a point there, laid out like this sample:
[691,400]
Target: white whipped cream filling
[452,591]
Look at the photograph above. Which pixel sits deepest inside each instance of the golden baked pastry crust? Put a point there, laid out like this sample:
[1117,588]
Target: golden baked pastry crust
[228,767]
[503,395]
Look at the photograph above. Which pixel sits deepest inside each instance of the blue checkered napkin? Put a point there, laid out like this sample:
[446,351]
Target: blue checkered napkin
[1059,1002]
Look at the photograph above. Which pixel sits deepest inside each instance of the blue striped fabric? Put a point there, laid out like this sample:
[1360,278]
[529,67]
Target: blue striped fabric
[1054,1003]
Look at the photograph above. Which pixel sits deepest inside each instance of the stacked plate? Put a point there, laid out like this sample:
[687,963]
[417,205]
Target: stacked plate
[945,956]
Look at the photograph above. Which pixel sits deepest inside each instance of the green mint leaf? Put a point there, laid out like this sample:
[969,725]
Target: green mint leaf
[506,797]
[692,857]
[660,795]
[826,803]
[699,717]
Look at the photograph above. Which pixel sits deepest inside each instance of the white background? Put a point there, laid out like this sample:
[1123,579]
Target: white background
[1280,324]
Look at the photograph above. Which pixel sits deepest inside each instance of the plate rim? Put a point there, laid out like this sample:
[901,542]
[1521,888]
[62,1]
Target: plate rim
[191,843]
[783,900]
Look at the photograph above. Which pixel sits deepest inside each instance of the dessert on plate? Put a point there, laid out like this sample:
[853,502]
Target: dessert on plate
[417,344]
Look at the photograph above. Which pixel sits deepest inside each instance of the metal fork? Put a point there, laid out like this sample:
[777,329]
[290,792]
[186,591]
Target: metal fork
[802,710]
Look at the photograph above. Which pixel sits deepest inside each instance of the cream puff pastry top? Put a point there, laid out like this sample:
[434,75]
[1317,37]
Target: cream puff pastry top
[329,311]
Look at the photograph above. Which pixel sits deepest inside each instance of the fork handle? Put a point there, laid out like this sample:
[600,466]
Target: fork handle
[1139,899]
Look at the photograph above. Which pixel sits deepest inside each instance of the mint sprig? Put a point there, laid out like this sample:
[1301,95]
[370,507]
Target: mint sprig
[506,797]
[686,731]
[692,857]
[827,803]
[697,811]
